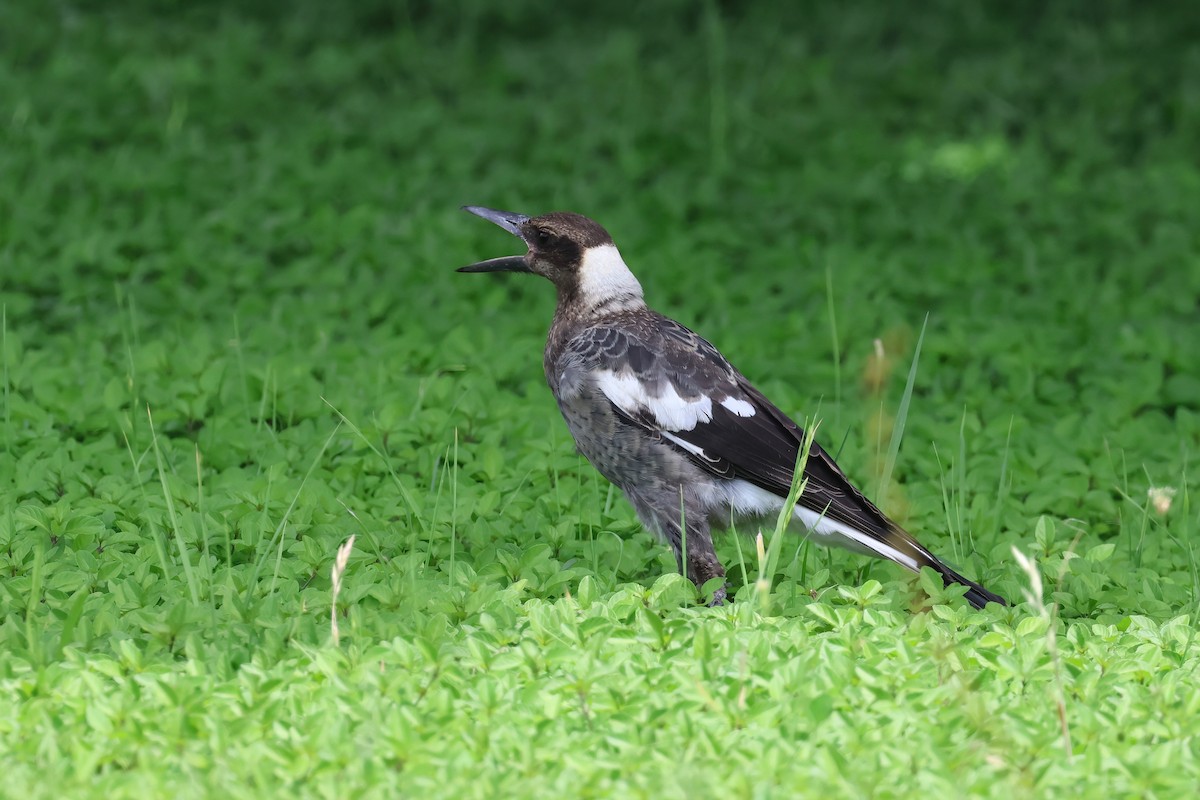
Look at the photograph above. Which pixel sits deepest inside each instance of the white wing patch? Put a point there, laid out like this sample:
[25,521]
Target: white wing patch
[691,448]
[603,275]
[739,407]
[670,411]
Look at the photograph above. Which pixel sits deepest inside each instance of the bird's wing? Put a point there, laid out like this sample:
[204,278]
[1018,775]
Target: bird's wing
[676,385]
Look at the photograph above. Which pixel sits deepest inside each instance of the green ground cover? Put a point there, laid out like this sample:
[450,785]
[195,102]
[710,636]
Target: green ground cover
[244,219]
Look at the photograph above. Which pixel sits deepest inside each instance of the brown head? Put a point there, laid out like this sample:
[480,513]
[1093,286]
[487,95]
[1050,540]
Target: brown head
[576,254]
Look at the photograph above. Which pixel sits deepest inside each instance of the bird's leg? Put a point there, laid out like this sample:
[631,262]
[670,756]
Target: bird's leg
[702,562]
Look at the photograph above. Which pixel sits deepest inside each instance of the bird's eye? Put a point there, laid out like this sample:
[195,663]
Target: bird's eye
[541,238]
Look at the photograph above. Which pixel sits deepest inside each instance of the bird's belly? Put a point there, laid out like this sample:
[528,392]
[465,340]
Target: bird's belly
[641,464]
[623,453]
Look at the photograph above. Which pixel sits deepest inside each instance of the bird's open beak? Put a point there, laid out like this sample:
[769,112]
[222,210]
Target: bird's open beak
[503,264]
[505,219]
[512,223]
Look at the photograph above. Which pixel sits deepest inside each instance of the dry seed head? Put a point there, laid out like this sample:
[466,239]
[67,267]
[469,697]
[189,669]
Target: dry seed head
[1160,498]
[1034,593]
[339,568]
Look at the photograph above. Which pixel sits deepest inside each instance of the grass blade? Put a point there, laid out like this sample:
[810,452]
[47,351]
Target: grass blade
[885,477]
[4,357]
[837,349]
[277,537]
[404,493]
[769,560]
[180,545]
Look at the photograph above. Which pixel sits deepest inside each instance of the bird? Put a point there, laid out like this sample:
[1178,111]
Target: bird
[661,414]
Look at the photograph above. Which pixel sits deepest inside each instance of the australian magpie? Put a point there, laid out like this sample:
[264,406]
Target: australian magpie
[660,413]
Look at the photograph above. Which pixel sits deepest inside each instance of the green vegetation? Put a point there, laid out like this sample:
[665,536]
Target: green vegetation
[244,219]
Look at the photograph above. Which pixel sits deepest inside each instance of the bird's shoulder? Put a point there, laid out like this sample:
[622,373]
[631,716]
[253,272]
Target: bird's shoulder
[640,342]
[644,348]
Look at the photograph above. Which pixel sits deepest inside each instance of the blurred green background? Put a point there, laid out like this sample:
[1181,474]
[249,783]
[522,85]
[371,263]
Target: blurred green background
[243,216]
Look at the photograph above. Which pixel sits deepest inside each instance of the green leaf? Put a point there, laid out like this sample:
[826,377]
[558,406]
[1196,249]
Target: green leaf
[1031,626]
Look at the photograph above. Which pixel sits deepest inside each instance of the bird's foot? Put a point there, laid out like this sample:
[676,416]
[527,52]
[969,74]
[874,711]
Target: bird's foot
[718,597]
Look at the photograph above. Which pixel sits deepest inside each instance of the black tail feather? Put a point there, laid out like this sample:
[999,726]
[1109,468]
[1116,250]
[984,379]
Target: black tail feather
[899,539]
[976,595]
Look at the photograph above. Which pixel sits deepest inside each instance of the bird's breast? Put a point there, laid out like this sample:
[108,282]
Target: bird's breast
[622,451]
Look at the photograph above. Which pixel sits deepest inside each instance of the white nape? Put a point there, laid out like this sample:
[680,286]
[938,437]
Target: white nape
[604,276]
